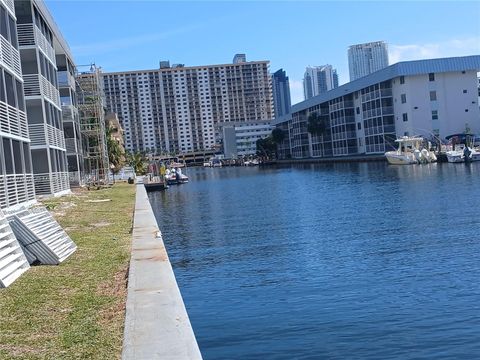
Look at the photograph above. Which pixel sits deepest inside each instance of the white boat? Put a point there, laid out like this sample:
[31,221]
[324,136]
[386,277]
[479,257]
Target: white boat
[463,153]
[175,177]
[410,151]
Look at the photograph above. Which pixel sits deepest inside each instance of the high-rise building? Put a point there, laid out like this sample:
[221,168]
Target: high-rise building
[239,58]
[177,109]
[318,80]
[281,93]
[364,59]
[39,42]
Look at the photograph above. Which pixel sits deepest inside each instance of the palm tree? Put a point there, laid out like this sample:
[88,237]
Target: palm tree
[116,152]
[278,135]
[315,125]
[138,162]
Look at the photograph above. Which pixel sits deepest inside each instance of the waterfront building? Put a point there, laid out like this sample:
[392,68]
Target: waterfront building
[70,118]
[281,93]
[432,98]
[318,80]
[175,110]
[364,59]
[240,139]
[39,42]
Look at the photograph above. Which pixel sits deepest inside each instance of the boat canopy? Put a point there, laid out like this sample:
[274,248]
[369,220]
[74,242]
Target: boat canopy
[462,136]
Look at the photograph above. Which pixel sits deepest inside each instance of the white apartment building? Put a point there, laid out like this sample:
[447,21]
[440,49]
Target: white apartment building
[176,109]
[364,59]
[240,139]
[318,80]
[432,98]
[39,42]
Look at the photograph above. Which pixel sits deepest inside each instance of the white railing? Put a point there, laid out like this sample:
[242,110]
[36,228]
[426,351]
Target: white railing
[65,79]
[10,56]
[13,121]
[16,189]
[69,113]
[29,35]
[51,183]
[72,145]
[37,85]
[45,134]
[10,5]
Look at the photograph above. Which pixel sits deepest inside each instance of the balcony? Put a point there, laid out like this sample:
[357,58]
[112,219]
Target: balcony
[16,189]
[69,113]
[38,85]
[13,121]
[45,134]
[65,79]
[51,183]
[10,56]
[10,5]
[30,35]
[72,146]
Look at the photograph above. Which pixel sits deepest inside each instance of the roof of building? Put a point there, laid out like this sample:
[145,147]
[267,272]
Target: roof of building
[404,68]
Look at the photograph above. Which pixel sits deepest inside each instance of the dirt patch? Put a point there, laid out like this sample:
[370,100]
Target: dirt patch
[117,289]
[101,224]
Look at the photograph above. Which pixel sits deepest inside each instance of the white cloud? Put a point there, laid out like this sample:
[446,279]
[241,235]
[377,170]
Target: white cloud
[296,90]
[449,48]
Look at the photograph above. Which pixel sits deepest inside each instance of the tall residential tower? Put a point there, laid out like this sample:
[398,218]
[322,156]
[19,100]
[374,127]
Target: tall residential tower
[318,80]
[177,109]
[364,59]
[281,93]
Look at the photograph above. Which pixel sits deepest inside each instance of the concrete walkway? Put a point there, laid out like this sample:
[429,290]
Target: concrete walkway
[156,323]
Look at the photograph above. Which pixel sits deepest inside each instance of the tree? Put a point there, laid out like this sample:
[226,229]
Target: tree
[138,162]
[315,125]
[116,152]
[278,135]
[266,147]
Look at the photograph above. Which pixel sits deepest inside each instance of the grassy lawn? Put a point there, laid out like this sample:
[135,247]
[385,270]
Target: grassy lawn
[75,310]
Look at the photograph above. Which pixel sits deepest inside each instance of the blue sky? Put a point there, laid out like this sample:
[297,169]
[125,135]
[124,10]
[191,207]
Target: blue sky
[129,35]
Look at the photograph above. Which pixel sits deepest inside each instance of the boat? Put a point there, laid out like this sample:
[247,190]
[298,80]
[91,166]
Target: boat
[410,151]
[175,177]
[461,151]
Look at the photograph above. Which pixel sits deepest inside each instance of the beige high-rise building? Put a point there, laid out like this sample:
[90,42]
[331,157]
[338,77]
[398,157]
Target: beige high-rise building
[176,109]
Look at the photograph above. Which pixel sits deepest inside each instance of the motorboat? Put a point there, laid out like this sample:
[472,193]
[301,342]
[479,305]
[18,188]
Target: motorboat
[463,153]
[175,177]
[462,150]
[410,151]
[155,179]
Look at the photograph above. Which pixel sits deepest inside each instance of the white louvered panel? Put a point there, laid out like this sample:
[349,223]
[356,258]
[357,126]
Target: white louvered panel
[3,192]
[31,85]
[13,262]
[37,134]
[14,121]
[26,35]
[4,122]
[43,236]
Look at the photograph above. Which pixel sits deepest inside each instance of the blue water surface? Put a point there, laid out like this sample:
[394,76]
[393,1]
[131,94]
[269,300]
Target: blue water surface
[328,261]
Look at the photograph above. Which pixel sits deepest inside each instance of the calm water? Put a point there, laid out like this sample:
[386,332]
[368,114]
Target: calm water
[328,261]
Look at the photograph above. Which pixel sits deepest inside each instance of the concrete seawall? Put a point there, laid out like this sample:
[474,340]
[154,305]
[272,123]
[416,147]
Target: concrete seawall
[156,322]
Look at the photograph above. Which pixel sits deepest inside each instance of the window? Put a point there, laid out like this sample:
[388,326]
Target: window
[434,114]
[359,126]
[7,151]
[464,91]
[9,85]
[358,110]
[405,116]
[404,98]
[402,79]
[431,77]
[433,95]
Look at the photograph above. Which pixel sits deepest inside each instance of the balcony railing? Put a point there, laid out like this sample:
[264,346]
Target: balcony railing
[37,85]
[72,146]
[10,56]
[51,183]
[13,121]
[16,189]
[10,5]
[69,113]
[65,79]
[45,134]
[30,35]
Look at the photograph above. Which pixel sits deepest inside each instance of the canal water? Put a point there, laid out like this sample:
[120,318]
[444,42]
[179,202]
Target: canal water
[328,261]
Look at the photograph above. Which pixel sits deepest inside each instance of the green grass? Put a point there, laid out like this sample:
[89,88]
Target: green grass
[75,310]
